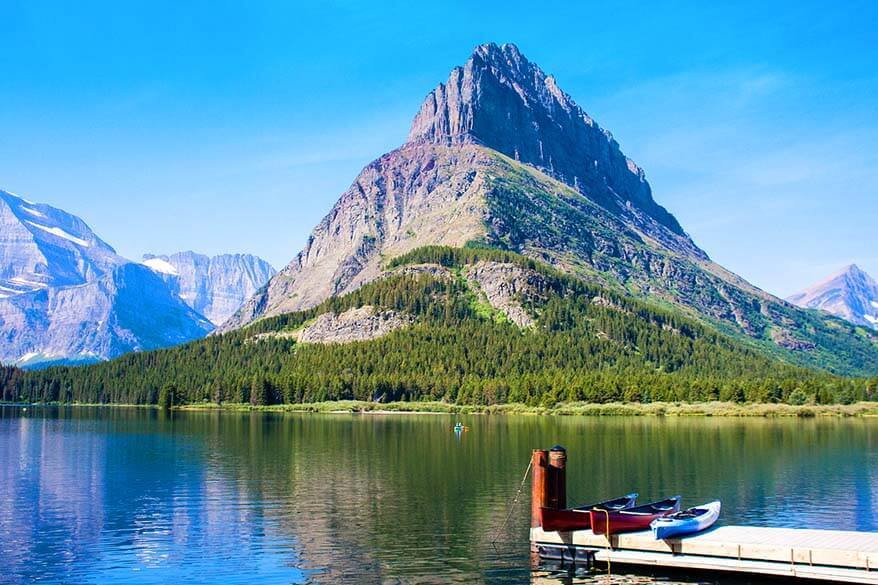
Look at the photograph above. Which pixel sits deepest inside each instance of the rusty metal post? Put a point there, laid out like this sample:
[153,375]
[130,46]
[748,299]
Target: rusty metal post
[539,485]
[557,478]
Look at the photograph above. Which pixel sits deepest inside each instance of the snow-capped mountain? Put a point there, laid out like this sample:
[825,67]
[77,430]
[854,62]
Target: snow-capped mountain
[41,246]
[66,296]
[850,294]
[214,286]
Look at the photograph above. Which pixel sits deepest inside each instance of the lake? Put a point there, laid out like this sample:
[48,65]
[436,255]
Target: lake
[123,495]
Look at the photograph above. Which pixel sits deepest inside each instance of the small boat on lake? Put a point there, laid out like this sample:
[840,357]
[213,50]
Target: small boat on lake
[686,522]
[579,518]
[632,519]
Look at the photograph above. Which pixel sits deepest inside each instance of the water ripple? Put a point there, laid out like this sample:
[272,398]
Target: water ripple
[116,496]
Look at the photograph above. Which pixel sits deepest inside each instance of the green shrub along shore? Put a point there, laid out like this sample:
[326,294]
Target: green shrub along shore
[658,409]
[590,350]
[725,409]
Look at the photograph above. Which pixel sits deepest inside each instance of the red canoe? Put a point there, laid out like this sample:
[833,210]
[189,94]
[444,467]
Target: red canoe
[578,518]
[632,519]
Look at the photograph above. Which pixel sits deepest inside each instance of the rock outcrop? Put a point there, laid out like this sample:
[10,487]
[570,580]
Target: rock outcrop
[508,288]
[359,324]
[214,286]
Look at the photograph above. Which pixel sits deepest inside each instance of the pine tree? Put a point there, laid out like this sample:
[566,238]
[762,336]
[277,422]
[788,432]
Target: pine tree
[167,396]
[259,391]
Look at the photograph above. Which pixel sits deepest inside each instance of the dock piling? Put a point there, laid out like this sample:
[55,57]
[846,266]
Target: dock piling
[557,478]
[539,493]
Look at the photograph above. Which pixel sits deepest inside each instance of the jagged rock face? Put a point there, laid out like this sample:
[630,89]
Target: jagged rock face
[501,100]
[215,286]
[41,246]
[506,287]
[66,296]
[850,294]
[127,309]
[358,324]
[415,196]
[499,155]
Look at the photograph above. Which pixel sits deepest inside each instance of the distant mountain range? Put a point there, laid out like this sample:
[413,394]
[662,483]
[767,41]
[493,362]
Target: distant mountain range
[66,296]
[214,286]
[849,293]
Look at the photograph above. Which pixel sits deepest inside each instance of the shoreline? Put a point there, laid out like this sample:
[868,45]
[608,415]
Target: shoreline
[656,409]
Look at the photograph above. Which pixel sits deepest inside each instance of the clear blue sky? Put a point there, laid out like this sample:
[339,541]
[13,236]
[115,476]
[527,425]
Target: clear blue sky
[234,126]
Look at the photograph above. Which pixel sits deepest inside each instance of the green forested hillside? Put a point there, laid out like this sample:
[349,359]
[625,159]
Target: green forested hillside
[458,349]
[540,217]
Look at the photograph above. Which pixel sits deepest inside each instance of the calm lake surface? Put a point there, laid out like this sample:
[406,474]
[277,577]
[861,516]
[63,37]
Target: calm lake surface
[114,495]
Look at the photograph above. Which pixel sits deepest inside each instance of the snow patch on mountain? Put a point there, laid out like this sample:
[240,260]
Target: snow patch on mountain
[162,266]
[33,212]
[214,286]
[60,233]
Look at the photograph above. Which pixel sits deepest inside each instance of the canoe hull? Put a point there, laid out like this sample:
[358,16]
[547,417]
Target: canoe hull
[571,519]
[621,522]
[670,527]
[565,520]
[630,520]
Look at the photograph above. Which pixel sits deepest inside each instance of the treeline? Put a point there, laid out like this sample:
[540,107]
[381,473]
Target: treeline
[470,254]
[589,344]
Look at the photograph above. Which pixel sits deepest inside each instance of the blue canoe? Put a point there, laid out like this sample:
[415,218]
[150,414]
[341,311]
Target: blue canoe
[686,522]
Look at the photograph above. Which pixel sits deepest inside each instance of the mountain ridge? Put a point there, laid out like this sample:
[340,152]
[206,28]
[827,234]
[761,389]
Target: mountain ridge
[214,286]
[43,246]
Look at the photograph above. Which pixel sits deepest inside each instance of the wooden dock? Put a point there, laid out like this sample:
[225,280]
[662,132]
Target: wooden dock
[827,555]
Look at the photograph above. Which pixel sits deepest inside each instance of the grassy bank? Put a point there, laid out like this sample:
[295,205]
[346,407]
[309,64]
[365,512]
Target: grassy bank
[719,409]
[728,409]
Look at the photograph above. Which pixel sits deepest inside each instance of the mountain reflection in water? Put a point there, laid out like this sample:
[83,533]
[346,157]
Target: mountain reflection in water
[139,496]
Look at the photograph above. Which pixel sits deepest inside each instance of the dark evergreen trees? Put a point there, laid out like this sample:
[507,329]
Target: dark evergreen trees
[167,396]
[618,349]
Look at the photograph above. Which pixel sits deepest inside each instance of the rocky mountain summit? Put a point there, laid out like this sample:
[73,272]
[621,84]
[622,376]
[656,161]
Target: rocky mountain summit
[849,293]
[214,286]
[66,296]
[500,156]
[500,100]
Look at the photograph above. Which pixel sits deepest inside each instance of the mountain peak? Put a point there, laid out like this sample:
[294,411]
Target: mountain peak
[853,269]
[65,295]
[507,53]
[500,100]
[849,293]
